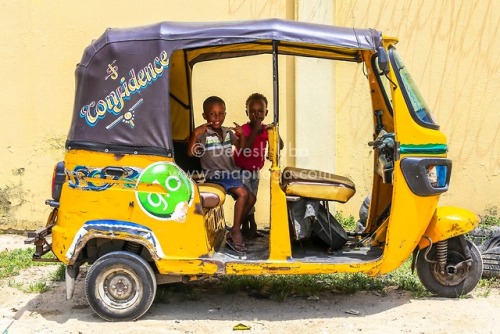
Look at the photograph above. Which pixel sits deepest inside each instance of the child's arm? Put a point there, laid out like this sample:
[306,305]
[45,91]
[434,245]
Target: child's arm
[194,136]
[255,131]
[241,143]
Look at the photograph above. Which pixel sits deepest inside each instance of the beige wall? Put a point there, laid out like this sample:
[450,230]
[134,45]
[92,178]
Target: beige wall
[451,48]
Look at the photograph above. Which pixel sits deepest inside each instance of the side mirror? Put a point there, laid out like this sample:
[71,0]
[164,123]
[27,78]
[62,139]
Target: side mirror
[383,60]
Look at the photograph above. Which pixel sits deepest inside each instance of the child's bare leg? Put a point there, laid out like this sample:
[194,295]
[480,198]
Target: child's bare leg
[246,223]
[252,228]
[245,226]
[240,211]
[249,204]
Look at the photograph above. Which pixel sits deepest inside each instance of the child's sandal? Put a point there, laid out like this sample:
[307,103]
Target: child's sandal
[236,246]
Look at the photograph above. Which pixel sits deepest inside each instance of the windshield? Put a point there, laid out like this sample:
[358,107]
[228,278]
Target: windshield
[416,104]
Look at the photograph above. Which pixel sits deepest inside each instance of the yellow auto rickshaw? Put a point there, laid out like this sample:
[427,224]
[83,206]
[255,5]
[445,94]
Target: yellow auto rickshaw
[130,202]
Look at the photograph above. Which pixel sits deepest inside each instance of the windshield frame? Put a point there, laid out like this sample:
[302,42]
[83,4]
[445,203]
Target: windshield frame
[421,116]
[386,90]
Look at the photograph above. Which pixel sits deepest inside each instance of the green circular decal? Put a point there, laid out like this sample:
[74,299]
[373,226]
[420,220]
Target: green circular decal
[177,191]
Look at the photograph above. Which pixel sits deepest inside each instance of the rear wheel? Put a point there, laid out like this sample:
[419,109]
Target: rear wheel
[120,286]
[459,275]
[491,243]
[491,262]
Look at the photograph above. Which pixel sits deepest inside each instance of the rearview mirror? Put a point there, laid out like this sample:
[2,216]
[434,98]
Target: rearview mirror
[383,60]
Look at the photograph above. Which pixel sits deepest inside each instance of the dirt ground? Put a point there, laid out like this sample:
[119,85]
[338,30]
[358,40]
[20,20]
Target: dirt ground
[366,312]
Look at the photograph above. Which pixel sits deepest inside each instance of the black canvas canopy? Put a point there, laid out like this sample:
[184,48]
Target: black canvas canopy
[133,90]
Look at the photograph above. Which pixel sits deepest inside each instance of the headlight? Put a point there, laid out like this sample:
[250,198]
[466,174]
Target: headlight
[426,176]
[436,174]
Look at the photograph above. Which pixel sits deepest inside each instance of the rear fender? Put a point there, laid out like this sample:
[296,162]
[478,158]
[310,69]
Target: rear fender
[448,222]
[107,229]
[112,229]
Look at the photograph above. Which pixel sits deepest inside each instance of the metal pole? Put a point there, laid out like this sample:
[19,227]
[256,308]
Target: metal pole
[276,104]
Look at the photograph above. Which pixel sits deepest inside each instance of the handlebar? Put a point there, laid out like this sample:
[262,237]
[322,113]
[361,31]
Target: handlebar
[384,144]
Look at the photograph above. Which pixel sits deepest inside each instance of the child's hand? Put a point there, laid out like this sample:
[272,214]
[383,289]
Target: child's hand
[257,128]
[237,129]
[202,129]
[256,121]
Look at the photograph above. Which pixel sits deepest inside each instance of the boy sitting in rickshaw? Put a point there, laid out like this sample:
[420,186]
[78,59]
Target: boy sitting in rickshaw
[213,143]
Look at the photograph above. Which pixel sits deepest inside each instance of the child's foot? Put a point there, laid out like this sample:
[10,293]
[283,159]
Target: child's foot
[234,243]
[253,232]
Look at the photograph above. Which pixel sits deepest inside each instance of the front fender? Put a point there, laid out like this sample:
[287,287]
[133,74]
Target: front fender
[448,222]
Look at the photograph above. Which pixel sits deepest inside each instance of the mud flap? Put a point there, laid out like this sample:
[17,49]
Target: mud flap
[414,260]
[70,277]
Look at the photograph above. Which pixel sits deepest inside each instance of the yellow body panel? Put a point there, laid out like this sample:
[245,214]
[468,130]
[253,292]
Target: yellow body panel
[279,239]
[448,222]
[410,214]
[178,239]
[409,218]
[299,268]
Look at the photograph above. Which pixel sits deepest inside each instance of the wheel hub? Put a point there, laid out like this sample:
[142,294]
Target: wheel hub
[455,271]
[119,287]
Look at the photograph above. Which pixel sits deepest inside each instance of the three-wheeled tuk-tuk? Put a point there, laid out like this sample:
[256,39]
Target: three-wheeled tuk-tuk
[129,201]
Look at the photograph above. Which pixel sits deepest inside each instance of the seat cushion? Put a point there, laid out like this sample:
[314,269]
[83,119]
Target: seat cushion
[316,184]
[212,195]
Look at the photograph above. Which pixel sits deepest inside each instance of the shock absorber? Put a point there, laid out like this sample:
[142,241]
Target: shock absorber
[132,247]
[442,255]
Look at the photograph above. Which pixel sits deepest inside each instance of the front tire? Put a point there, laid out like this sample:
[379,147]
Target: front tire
[120,286]
[456,280]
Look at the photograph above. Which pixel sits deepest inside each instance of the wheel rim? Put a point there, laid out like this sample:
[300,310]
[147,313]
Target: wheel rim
[119,288]
[451,275]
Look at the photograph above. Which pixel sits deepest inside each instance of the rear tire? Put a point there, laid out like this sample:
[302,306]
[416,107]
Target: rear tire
[491,262]
[120,286]
[485,237]
[454,282]
[491,243]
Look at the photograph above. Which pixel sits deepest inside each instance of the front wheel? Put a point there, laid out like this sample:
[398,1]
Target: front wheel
[458,276]
[120,286]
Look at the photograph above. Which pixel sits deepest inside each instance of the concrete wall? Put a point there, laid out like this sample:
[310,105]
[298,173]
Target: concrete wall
[451,48]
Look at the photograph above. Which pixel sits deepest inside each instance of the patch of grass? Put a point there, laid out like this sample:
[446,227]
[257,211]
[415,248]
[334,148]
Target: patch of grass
[233,284]
[167,292]
[487,228]
[490,219]
[281,287]
[60,274]
[404,279]
[35,287]
[486,285]
[349,223]
[12,262]
[16,285]
[352,283]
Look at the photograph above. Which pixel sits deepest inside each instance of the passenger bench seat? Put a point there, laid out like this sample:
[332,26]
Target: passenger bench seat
[316,184]
[211,194]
